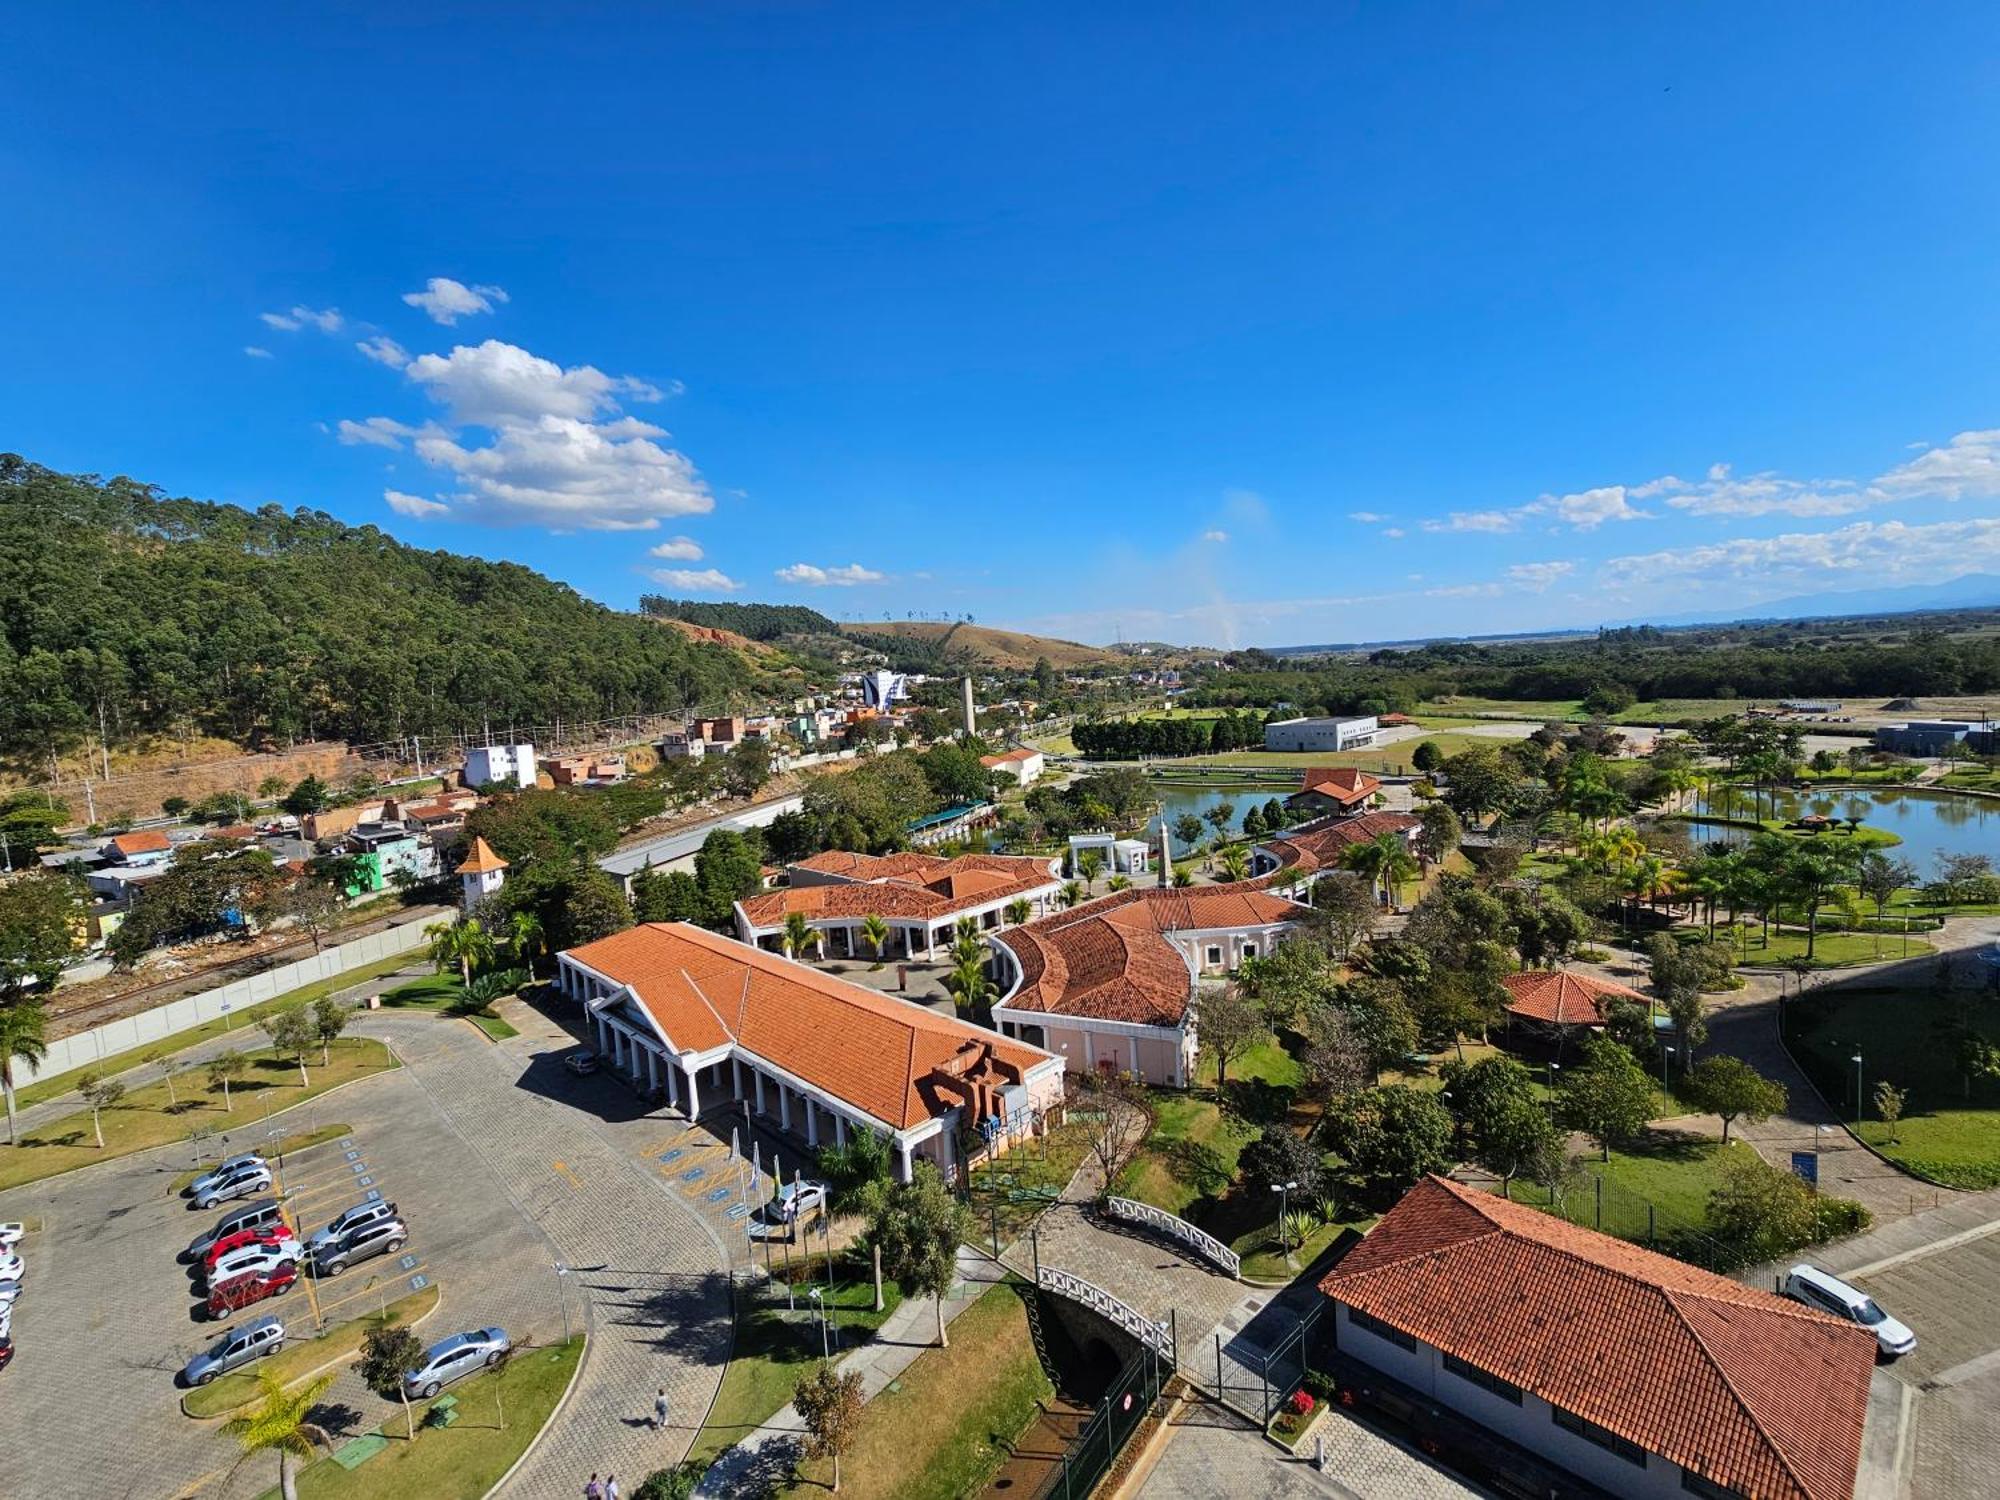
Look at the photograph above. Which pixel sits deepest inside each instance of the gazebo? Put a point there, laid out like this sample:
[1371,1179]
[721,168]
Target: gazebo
[1562,998]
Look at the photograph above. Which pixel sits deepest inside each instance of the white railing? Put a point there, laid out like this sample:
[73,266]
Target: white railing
[1135,1212]
[1158,1337]
[127,1034]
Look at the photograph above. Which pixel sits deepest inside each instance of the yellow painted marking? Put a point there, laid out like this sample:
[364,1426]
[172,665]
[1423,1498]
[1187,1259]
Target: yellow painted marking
[574,1181]
[376,1287]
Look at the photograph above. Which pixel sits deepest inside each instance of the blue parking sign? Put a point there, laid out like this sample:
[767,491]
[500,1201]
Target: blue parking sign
[1806,1165]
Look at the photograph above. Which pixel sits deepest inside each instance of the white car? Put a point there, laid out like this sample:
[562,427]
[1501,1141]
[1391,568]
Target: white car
[1827,1293]
[12,1268]
[260,1257]
[10,1234]
[9,1290]
[6,1320]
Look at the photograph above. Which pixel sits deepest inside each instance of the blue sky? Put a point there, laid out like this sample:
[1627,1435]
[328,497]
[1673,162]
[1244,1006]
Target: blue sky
[1239,325]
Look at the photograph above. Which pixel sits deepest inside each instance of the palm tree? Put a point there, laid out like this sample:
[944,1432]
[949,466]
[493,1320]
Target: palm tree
[1383,860]
[1235,863]
[799,934]
[1071,893]
[277,1423]
[1090,864]
[968,983]
[1183,878]
[1018,911]
[525,939]
[876,932]
[1118,883]
[463,945]
[21,1028]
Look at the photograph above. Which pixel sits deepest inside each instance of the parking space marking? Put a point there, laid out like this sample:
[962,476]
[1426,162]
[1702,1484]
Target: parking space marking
[1949,1242]
[574,1181]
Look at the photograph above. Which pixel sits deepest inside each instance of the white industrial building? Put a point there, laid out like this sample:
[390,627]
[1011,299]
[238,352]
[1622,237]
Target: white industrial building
[490,763]
[1321,734]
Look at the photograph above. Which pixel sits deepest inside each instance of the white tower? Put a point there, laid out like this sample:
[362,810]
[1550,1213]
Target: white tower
[483,873]
[970,714]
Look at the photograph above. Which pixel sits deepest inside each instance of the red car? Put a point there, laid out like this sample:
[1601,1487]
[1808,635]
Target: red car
[270,1234]
[251,1287]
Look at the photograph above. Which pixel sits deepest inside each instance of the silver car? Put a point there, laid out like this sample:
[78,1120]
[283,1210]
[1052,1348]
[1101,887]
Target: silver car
[237,1182]
[449,1359]
[238,1347]
[383,1237]
[259,1215]
[351,1222]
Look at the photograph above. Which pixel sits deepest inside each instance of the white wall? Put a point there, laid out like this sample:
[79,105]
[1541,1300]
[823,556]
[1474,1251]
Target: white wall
[87,1048]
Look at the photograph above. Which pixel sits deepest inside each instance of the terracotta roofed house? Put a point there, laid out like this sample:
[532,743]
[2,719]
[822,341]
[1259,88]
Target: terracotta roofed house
[1341,789]
[1110,985]
[1640,1373]
[920,896]
[147,847]
[1562,997]
[710,1021]
[1022,763]
[1313,849]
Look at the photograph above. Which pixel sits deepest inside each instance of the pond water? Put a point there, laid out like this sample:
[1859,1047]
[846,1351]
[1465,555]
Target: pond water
[1198,800]
[1928,823]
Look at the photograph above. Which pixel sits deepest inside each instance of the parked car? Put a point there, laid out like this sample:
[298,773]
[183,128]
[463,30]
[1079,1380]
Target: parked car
[358,1217]
[254,1340]
[6,1320]
[383,1237]
[581,1063]
[448,1359]
[252,1287]
[259,1215]
[9,1292]
[1824,1292]
[10,1234]
[238,1182]
[258,1257]
[6,1352]
[227,1167]
[792,1202]
[12,1267]
[271,1234]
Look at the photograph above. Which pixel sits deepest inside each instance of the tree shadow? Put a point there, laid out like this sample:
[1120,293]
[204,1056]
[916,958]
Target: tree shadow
[1196,1164]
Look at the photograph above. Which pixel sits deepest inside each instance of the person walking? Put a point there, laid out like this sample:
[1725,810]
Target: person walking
[660,1409]
[593,1490]
[610,1487]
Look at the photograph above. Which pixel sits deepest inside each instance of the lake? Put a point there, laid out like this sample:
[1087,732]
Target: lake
[1177,800]
[1928,823]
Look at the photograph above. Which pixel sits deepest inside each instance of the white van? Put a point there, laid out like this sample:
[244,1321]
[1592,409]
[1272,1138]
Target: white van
[1827,1293]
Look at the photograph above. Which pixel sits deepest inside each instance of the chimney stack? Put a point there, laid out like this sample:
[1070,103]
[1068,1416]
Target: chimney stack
[971,717]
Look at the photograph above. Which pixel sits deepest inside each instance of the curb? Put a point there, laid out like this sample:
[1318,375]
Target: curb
[576,1373]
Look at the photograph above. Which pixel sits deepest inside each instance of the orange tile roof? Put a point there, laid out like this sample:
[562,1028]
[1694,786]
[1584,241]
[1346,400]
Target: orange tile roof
[1317,845]
[1563,998]
[880,1054]
[1112,959]
[918,887]
[481,861]
[1341,784]
[1007,757]
[150,841]
[1754,1392]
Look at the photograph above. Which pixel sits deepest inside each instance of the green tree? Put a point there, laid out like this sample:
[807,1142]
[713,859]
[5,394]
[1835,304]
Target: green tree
[1276,1157]
[1761,1212]
[526,938]
[875,932]
[1234,861]
[389,1351]
[1732,1089]
[1439,831]
[291,1032]
[830,1405]
[747,767]
[1608,1097]
[1520,1140]
[1889,1102]
[224,1069]
[919,1225]
[1390,1138]
[463,945]
[666,896]
[278,1423]
[1229,1024]
[799,934]
[1090,864]
[308,796]
[99,1094]
[727,869]
[1426,758]
[1384,860]
[1017,911]
[1187,830]
[23,1024]
[329,1018]
[39,924]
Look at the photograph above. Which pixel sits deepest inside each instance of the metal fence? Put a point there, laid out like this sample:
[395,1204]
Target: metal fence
[1253,1381]
[1175,1228]
[1133,1393]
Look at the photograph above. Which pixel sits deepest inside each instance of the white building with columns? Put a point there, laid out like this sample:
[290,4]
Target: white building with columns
[921,897]
[705,1021]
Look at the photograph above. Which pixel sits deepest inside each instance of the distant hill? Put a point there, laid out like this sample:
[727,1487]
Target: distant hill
[982,645]
[1968,591]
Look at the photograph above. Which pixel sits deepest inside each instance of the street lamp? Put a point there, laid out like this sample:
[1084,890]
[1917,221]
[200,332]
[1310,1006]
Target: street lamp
[1283,1190]
[562,1276]
[1554,1068]
[1666,1053]
[819,1308]
[1856,1060]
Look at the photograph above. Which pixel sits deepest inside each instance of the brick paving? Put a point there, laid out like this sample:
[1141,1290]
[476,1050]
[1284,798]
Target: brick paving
[1212,1456]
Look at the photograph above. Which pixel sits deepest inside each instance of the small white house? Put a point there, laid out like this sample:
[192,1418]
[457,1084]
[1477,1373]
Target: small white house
[490,763]
[1333,734]
[1121,856]
[1024,764]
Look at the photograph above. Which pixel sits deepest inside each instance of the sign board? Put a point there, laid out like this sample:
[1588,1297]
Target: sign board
[1806,1165]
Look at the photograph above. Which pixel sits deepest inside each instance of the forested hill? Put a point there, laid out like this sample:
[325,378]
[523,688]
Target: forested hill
[121,606]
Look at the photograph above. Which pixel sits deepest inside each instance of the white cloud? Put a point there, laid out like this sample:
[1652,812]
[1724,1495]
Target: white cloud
[416,507]
[819,578]
[1473,520]
[256,353]
[696,580]
[1862,552]
[1394,533]
[1463,591]
[1588,509]
[1366,517]
[446,301]
[1966,468]
[376,432]
[385,351]
[1537,577]
[1215,536]
[677,549]
[327,320]
[1722,493]
[493,384]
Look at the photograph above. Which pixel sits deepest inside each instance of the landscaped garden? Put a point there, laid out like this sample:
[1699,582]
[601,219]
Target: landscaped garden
[444,994]
[303,1353]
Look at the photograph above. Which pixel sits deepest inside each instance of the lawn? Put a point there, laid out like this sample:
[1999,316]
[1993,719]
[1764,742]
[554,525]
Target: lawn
[1264,1259]
[774,1347]
[302,1355]
[443,995]
[1832,950]
[284,1146]
[1014,1190]
[1392,758]
[1188,1156]
[941,1430]
[148,1116]
[305,994]
[1947,1133]
[1267,1062]
[1673,1172]
[465,1460]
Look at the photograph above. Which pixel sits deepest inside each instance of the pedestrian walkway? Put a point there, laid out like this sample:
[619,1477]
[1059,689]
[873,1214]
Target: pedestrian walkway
[1210,1455]
[764,1459]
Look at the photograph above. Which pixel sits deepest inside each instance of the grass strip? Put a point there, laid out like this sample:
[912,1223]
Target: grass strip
[301,1357]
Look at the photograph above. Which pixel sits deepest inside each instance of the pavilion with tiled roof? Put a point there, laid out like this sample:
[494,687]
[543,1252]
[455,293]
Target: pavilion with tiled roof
[1642,1374]
[922,898]
[706,1021]
[1563,997]
[1111,984]
[1334,789]
[1314,848]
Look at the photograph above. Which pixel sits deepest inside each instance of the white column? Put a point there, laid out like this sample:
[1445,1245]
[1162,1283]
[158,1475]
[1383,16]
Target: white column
[903,1152]
[757,1081]
[736,1078]
[637,1054]
[812,1120]
[652,1069]
[784,1108]
[693,1095]
[673,1093]
[840,1130]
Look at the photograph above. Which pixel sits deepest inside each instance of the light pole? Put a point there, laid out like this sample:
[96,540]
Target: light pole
[1283,1190]
[819,1310]
[1666,1053]
[1554,1068]
[1856,1059]
[562,1301]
